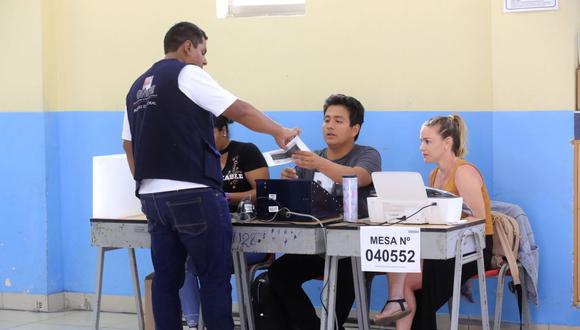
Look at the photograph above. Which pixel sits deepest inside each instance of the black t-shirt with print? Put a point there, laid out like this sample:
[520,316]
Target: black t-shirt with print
[242,158]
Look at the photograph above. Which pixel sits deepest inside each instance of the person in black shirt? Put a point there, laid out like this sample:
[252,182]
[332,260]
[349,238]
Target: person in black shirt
[241,163]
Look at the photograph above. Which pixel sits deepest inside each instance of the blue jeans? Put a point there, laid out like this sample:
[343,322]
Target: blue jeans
[189,293]
[194,222]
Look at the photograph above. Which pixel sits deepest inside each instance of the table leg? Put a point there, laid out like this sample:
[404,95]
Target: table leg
[324,301]
[99,288]
[357,292]
[460,260]
[246,290]
[240,290]
[137,288]
[332,281]
[482,285]
[457,282]
[200,321]
[360,294]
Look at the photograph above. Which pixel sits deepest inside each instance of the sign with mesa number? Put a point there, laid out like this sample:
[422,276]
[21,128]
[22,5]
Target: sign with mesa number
[390,249]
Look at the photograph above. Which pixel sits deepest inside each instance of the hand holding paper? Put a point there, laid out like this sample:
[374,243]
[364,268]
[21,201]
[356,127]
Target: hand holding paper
[284,156]
[307,159]
[286,136]
[289,174]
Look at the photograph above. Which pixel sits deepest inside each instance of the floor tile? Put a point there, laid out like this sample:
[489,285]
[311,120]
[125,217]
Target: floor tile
[41,326]
[8,324]
[83,318]
[8,315]
[122,320]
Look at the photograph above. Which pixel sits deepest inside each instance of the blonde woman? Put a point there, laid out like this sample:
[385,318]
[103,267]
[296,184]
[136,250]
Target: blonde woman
[444,143]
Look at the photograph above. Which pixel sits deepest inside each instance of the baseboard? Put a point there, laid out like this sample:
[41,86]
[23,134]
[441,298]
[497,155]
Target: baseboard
[65,301]
[69,301]
[114,304]
[31,302]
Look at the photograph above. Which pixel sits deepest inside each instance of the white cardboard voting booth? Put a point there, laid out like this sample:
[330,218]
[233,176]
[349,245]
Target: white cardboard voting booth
[113,188]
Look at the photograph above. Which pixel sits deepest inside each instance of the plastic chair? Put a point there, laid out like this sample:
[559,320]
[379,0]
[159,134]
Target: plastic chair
[501,274]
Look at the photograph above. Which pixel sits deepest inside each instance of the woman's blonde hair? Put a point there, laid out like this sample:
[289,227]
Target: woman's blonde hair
[453,126]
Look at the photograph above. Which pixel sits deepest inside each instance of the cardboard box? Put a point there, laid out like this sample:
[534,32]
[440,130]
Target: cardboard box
[576,125]
[149,322]
[578,89]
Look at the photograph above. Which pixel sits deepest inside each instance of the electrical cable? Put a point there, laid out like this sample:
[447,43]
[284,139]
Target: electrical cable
[281,208]
[404,217]
[325,282]
[287,213]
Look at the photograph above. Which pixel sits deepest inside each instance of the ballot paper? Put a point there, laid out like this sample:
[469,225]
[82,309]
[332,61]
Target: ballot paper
[284,156]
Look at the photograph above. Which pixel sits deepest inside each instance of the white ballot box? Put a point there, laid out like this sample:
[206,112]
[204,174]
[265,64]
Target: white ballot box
[113,188]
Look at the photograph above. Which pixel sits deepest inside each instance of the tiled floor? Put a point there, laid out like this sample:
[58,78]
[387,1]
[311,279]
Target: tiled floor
[83,320]
[71,320]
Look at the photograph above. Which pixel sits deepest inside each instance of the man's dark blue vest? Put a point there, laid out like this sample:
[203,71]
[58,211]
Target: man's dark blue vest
[172,137]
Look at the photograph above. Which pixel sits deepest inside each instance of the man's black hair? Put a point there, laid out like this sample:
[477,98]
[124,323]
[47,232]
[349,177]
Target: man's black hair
[181,32]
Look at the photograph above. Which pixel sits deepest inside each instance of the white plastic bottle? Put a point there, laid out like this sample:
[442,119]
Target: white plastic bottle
[350,197]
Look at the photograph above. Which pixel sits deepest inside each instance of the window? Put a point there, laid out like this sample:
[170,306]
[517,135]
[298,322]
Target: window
[247,8]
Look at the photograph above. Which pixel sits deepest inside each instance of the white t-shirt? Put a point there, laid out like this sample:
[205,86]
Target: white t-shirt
[204,91]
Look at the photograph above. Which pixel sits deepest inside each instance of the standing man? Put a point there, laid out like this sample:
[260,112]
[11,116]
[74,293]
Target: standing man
[343,119]
[169,142]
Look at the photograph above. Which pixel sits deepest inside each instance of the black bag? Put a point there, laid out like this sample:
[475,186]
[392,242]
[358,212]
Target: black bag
[268,314]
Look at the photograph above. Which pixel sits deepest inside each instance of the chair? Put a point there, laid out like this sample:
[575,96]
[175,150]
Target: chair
[507,238]
[501,274]
[252,269]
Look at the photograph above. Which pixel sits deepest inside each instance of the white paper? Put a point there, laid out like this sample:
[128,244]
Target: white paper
[284,156]
[390,249]
[510,6]
[324,181]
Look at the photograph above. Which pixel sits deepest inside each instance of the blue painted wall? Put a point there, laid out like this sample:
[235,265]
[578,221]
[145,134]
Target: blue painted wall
[55,275]
[533,167]
[23,203]
[525,157]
